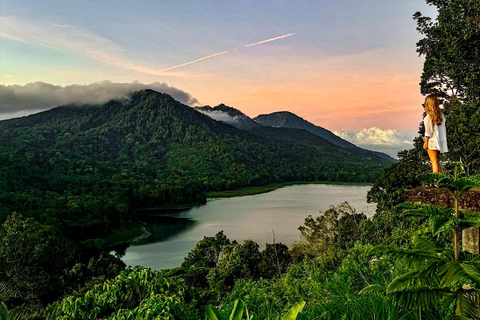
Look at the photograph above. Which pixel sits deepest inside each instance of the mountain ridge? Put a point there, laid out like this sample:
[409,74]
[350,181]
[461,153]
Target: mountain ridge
[287,119]
[280,119]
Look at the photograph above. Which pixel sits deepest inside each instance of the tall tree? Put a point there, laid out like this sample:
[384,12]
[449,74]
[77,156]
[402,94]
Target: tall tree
[451,47]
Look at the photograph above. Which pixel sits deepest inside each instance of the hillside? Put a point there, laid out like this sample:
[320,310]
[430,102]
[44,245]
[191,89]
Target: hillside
[285,119]
[90,166]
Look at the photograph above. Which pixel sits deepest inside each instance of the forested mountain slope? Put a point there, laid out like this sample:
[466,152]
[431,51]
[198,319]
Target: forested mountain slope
[91,165]
[285,119]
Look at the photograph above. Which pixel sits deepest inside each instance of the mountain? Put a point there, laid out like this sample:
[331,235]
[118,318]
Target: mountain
[229,115]
[282,119]
[87,168]
[285,119]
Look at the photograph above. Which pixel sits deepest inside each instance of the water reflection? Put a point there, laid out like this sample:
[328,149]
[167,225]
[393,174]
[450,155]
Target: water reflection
[162,227]
[174,234]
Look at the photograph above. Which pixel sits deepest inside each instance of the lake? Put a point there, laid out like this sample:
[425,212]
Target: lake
[175,233]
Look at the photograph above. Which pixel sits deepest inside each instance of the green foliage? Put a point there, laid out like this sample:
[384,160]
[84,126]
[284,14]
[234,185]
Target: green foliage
[238,309]
[238,261]
[275,260]
[338,228]
[135,293]
[331,291]
[83,276]
[16,314]
[450,47]
[32,256]
[217,263]
[203,258]
[435,280]
[438,276]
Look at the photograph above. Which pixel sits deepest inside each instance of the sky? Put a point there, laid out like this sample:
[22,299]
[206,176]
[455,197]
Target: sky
[349,66]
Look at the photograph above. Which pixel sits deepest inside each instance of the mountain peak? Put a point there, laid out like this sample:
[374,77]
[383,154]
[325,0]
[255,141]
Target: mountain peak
[229,115]
[286,119]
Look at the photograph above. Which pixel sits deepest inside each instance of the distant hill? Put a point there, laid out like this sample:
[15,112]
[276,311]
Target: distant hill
[91,166]
[229,115]
[282,119]
[285,119]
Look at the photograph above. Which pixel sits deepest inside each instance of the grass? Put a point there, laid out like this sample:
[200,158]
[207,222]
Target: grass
[248,191]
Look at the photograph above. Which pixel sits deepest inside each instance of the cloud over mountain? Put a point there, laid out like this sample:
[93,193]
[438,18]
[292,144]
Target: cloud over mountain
[38,96]
[220,116]
[389,141]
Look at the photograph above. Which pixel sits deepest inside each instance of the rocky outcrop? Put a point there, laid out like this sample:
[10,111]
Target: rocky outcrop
[437,196]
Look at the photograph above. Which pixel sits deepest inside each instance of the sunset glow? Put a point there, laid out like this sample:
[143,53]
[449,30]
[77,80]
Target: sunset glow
[339,65]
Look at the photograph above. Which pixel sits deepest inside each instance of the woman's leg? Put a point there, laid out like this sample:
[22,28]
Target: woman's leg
[433,155]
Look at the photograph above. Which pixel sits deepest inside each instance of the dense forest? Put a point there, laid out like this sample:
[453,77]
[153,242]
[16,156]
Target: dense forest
[78,173]
[73,175]
[89,167]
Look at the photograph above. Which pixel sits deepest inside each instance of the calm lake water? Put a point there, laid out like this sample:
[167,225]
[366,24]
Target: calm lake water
[174,234]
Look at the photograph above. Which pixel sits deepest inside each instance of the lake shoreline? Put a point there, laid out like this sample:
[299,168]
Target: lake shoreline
[248,191]
[240,192]
[174,234]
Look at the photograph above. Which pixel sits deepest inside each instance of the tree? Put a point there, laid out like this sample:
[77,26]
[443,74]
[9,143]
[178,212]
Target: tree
[338,228]
[275,260]
[203,258]
[33,257]
[451,47]
[238,261]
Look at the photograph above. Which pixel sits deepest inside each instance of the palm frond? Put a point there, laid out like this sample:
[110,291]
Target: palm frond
[413,258]
[422,244]
[442,225]
[417,279]
[470,219]
[428,210]
[373,288]
[471,257]
[467,306]
[457,187]
[3,311]
[422,231]
[457,273]
[423,298]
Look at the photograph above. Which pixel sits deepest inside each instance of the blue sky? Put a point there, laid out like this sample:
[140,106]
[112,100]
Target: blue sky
[350,65]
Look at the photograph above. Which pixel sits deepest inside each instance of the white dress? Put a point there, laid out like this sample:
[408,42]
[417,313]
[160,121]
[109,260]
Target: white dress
[437,134]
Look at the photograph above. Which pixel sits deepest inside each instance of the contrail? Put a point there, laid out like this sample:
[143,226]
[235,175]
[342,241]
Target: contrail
[269,40]
[194,61]
[224,52]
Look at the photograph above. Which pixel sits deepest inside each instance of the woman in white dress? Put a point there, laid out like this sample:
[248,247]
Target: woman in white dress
[435,132]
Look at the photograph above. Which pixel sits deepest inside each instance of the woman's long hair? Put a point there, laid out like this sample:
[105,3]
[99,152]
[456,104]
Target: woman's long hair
[432,106]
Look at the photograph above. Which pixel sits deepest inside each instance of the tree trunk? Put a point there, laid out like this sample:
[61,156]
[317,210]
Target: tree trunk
[456,233]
